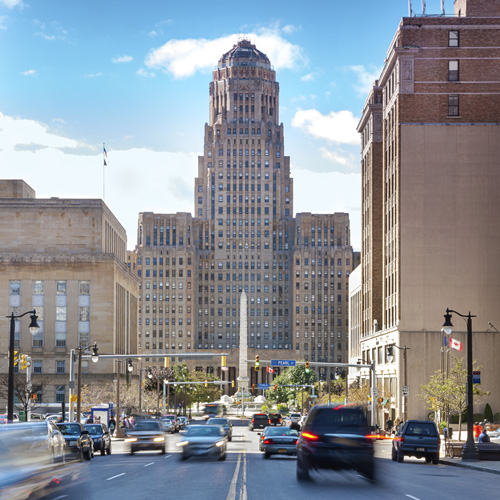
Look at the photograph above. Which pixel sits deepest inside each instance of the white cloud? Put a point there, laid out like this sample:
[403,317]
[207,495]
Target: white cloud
[145,74]
[29,72]
[10,4]
[337,127]
[3,24]
[183,58]
[309,77]
[334,156]
[366,78]
[122,59]
[59,166]
[93,75]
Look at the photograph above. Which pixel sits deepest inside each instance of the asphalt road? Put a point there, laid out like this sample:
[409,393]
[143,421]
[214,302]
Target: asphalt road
[245,475]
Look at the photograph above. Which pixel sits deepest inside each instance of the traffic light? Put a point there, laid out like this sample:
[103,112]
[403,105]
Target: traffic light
[307,367]
[232,383]
[16,357]
[253,387]
[166,363]
[380,400]
[223,361]
[257,363]
[275,387]
[25,361]
[206,383]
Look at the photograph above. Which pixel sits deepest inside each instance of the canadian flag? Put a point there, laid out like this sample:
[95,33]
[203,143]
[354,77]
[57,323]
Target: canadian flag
[270,370]
[456,344]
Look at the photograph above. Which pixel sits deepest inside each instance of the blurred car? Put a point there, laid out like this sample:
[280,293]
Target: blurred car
[275,418]
[295,417]
[226,425]
[302,420]
[101,436]
[183,421]
[4,418]
[259,421]
[146,435]
[79,444]
[168,424]
[174,419]
[278,441]
[41,440]
[336,437]
[417,438]
[203,440]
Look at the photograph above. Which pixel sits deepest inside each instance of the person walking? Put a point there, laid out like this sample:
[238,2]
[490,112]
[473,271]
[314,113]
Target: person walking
[483,437]
[112,425]
[476,429]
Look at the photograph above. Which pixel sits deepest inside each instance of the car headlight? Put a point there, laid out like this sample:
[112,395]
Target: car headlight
[182,443]
[130,440]
[219,443]
[158,439]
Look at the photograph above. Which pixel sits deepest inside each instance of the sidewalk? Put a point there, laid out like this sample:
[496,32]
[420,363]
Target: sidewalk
[491,466]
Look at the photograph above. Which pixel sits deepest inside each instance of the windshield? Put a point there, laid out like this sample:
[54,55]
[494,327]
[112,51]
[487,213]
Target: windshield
[217,421]
[330,417]
[69,429]
[146,426]
[94,429]
[275,431]
[203,430]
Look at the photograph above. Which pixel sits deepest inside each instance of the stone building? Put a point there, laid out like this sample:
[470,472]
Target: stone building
[244,237]
[430,134]
[65,258]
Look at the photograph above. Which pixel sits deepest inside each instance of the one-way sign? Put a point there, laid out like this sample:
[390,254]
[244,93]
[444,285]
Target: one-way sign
[282,362]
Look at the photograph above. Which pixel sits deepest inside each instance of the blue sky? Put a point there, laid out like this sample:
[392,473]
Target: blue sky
[135,75]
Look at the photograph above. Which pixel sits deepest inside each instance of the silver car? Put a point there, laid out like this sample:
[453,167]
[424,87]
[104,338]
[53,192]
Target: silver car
[278,441]
[204,441]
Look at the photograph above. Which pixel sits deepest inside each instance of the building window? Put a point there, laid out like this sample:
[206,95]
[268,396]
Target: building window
[453,39]
[453,71]
[15,287]
[37,366]
[37,287]
[60,393]
[60,287]
[61,366]
[453,105]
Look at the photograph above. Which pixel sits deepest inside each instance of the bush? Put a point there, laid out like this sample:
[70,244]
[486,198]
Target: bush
[488,413]
[478,417]
[282,408]
[496,418]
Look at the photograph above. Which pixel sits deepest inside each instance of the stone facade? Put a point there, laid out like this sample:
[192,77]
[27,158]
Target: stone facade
[243,237]
[65,258]
[436,183]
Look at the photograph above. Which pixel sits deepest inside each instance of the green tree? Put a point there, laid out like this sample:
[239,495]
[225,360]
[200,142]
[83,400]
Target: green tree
[294,376]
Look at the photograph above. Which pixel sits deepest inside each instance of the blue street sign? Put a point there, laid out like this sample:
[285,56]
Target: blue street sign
[263,386]
[282,362]
[476,377]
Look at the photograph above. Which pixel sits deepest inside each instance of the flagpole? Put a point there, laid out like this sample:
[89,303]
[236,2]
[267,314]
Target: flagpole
[103,172]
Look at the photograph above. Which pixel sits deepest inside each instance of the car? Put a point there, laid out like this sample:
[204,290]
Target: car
[417,438]
[39,440]
[174,420]
[146,435]
[336,437]
[295,417]
[275,418]
[79,444]
[4,418]
[226,425]
[168,424]
[259,421]
[183,421]
[302,420]
[278,441]
[101,436]
[203,440]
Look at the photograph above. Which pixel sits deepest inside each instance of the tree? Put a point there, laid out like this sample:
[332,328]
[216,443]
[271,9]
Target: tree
[294,376]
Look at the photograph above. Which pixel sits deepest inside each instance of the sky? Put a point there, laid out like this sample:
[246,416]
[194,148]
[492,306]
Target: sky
[134,75]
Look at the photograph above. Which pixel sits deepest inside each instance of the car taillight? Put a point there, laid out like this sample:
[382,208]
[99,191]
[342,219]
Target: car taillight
[401,439]
[295,441]
[253,420]
[269,421]
[309,436]
[268,441]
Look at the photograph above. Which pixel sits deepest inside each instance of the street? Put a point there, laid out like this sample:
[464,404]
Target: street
[246,475]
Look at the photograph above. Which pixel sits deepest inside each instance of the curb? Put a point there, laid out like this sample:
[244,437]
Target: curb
[459,463]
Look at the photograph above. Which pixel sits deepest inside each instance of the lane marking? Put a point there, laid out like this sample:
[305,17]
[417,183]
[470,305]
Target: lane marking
[168,456]
[231,495]
[243,489]
[114,477]
[412,497]
[150,463]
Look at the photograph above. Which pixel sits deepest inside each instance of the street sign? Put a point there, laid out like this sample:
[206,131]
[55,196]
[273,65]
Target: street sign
[313,396]
[263,386]
[476,377]
[375,391]
[282,362]
[405,390]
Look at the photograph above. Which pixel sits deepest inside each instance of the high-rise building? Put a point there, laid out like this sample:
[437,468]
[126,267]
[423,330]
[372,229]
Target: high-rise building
[66,259]
[430,207]
[244,237]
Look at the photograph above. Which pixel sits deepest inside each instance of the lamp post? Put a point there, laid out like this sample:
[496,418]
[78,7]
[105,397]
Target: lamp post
[469,452]
[95,359]
[33,330]
[390,359]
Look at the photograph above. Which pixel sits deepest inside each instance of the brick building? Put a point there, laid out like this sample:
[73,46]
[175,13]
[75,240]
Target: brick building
[65,258]
[430,134]
[244,237]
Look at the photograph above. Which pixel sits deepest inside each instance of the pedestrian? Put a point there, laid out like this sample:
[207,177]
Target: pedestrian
[483,437]
[90,420]
[112,425]
[388,425]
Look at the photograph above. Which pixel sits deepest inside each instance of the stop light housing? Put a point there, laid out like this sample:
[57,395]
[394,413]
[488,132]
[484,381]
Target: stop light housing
[275,387]
[223,361]
[206,383]
[380,400]
[232,383]
[307,367]
[257,363]
[25,361]
[16,357]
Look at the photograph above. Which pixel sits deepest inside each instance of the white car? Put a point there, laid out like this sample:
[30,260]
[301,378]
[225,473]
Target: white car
[302,420]
[295,417]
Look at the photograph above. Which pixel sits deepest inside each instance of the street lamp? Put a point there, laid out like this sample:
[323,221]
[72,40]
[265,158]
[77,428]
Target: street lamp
[95,359]
[33,328]
[390,358]
[469,451]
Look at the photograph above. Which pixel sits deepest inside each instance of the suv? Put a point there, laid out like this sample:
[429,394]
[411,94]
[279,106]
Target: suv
[335,437]
[275,418]
[259,421]
[417,438]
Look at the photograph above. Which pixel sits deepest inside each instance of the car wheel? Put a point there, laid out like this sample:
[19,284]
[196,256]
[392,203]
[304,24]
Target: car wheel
[131,451]
[223,456]
[369,472]
[302,470]
[428,460]
[435,459]
[103,449]
[394,455]
[183,456]
[230,438]
[108,450]
[400,457]
[88,454]
[267,455]
[162,451]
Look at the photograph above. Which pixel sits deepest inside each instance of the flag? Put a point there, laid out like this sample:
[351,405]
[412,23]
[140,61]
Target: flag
[105,164]
[104,150]
[270,370]
[456,344]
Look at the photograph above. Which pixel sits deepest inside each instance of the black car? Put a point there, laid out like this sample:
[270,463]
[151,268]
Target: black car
[336,437]
[78,440]
[101,437]
[417,438]
[259,421]
[275,418]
